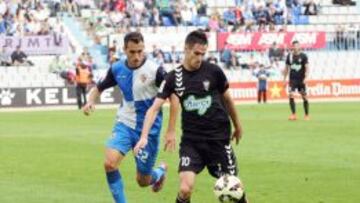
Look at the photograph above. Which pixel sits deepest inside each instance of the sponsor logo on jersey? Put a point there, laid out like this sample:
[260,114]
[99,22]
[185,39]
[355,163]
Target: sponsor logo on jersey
[201,105]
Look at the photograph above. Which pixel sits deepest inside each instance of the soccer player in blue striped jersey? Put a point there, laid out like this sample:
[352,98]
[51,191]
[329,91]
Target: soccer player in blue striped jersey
[138,79]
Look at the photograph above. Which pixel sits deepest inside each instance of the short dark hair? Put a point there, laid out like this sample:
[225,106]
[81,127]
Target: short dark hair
[196,37]
[295,42]
[133,37]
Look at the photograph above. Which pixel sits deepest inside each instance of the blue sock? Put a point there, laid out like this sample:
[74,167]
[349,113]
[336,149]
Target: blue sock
[116,186]
[156,174]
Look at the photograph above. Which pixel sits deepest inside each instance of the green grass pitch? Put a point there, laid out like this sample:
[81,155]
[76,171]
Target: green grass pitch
[57,157]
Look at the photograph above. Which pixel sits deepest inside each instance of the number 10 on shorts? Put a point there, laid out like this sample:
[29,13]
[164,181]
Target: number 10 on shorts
[185,161]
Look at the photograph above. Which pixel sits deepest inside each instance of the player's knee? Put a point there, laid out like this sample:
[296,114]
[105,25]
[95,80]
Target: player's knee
[110,165]
[185,190]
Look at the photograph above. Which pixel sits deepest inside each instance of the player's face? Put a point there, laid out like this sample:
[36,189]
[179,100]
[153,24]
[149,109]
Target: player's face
[296,48]
[195,55]
[135,53]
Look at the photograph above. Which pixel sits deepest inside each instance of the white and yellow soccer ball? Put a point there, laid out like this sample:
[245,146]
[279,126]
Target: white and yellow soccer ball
[228,189]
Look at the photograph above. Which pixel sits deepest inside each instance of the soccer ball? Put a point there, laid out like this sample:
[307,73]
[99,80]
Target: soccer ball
[228,189]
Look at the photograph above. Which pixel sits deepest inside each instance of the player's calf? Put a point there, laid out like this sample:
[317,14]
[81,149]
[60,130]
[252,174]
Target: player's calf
[185,192]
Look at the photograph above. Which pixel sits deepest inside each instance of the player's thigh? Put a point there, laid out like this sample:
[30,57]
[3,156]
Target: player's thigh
[190,157]
[146,158]
[120,139]
[221,158]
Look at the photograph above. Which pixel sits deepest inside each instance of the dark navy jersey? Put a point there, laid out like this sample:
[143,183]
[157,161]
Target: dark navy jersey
[204,115]
[297,65]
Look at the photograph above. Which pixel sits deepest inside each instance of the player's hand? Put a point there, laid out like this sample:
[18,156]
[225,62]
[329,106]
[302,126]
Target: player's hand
[237,134]
[284,83]
[140,145]
[170,141]
[88,108]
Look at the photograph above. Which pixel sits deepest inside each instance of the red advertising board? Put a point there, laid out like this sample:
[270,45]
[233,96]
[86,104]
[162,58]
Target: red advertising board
[263,40]
[318,89]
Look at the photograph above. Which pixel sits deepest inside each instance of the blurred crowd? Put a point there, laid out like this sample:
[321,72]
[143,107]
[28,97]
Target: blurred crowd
[249,15]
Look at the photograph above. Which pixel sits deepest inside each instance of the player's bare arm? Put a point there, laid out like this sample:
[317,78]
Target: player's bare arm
[286,72]
[90,105]
[306,72]
[230,106]
[170,135]
[148,122]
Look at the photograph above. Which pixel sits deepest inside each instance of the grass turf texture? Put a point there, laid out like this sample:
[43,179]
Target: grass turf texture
[58,157]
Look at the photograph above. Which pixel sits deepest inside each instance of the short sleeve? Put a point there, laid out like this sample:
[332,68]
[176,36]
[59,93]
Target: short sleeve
[107,82]
[160,76]
[305,59]
[222,82]
[166,87]
[288,60]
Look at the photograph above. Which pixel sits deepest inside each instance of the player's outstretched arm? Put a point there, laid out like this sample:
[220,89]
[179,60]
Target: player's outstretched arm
[148,122]
[90,105]
[230,106]
[170,136]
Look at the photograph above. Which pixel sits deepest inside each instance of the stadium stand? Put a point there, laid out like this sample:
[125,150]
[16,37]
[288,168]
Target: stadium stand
[89,21]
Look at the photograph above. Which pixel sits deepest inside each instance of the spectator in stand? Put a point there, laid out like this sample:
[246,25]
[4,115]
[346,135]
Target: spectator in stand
[201,6]
[214,21]
[57,65]
[279,12]
[275,53]
[310,8]
[212,59]
[5,59]
[186,15]
[249,19]
[229,57]
[155,17]
[166,11]
[344,2]
[177,13]
[19,58]
[3,25]
[351,36]
[261,15]
[174,56]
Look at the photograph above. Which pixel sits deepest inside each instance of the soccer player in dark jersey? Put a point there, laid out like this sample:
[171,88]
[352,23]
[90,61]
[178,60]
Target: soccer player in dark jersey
[202,90]
[298,66]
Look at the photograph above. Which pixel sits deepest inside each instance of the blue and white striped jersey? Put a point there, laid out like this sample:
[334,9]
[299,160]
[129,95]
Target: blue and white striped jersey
[139,88]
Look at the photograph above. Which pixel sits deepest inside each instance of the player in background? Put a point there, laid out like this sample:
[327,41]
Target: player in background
[138,79]
[202,90]
[298,65]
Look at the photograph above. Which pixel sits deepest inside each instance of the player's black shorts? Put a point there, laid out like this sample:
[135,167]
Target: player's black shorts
[297,85]
[217,155]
